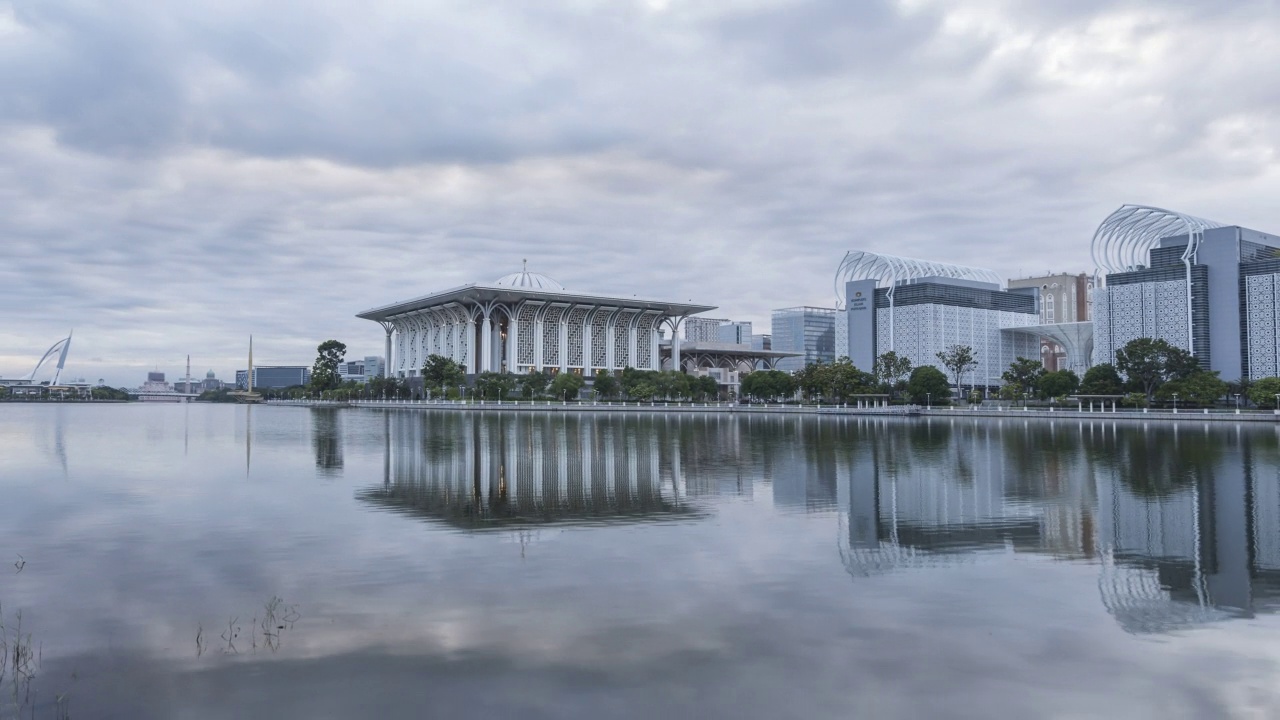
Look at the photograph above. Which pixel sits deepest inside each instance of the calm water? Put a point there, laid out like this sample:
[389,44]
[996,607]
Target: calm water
[221,561]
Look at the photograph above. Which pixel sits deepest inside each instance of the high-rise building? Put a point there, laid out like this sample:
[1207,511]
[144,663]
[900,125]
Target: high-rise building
[807,330]
[700,329]
[1061,298]
[361,371]
[738,333]
[1206,287]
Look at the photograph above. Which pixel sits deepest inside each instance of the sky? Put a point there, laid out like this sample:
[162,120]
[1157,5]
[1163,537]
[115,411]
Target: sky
[175,177]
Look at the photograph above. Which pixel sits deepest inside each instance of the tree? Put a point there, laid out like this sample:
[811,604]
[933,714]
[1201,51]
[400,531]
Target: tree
[892,370]
[768,385]
[643,390]
[566,386]
[811,379]
[495,385]
[1148,363]
[324,374]
[958,360]
[534,384]
[928,385]
[1201,388]
[843,380]
[1023,374]
[1102,380]
[1057,384]
[1263,392]
[605,384]
[442,373]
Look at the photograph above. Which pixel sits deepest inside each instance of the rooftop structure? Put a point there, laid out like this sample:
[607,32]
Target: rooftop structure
[526,321]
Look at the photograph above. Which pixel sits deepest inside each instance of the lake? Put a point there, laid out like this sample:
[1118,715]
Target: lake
[215,561]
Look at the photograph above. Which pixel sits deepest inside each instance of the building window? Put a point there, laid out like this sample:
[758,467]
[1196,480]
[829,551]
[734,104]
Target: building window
[1048,308]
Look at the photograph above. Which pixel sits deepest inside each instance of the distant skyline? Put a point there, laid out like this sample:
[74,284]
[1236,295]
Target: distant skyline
[174,178]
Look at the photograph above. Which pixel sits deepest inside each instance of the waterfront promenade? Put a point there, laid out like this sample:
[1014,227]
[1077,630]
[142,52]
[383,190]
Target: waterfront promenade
[972,411]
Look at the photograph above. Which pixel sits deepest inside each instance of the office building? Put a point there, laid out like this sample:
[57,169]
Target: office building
[808,331]
[361,371]
[269,377]
[736,333]
[1207,287]
[919,308]
[698,329]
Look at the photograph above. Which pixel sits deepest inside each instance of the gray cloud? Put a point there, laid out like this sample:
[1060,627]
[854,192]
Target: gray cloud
[173,179]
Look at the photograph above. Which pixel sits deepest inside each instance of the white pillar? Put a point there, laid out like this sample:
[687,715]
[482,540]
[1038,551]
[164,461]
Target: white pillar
[675,344]
[537,340]
[513,335]
[386,366]
[631,343]
[610,361]
[563,339]
[469,346]
[586,344]
[655,358]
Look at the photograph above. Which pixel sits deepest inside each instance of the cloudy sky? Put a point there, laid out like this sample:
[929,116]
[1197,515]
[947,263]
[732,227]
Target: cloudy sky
[174,177]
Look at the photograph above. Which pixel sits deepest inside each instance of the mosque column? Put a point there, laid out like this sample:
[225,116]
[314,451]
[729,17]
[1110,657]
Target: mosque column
[655,359]
[563,338]
[586,343]
[513,338]
[610,359]
[386,362]
[469,345]
[486,343]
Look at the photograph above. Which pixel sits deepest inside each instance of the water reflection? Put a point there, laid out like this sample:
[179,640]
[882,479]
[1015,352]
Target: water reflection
[486,470]
[1184,523]
[326,439]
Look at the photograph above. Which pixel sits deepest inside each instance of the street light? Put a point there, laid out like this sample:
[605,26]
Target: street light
[1175,402]
[929,399]
[1237,403]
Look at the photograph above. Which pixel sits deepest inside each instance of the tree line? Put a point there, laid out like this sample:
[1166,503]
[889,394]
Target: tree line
[1146,370]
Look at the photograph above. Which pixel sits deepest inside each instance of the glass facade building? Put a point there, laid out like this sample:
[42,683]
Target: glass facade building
[807,330]
[271,377]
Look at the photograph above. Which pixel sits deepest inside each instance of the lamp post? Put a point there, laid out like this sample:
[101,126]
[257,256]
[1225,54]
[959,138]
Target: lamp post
[1237,403]
[928,397]
[1175,403]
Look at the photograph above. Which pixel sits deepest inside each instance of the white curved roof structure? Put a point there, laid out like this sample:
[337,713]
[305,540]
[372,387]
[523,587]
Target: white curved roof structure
[1125,237]
[529,281]
[888,270]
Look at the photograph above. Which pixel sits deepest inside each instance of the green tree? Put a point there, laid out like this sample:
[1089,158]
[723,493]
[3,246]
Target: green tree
[768,385]
[1202,388]
[1102,380]
[703,388]
[812,380]
[534,384]
[892,370]
[1148,363]
[958,360]
[566,386]
[844,380]
[442,373]
[1023,374]
[605,384]
[643,390]
[1057,384]
[928,385]
[1263,392]
[324,374]
[495,385]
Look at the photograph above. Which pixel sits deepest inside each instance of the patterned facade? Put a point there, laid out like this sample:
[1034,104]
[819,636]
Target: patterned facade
[920,332]
[526,322]
[1122,313]
[1262,313]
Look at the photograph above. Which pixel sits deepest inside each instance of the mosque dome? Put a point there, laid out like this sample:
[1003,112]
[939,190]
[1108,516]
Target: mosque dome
[529,280]
[209,375]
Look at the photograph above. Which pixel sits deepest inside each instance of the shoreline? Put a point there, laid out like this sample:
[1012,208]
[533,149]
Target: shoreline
[907,411]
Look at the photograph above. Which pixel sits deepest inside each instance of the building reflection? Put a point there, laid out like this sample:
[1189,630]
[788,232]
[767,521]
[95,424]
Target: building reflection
[489,470]
[326,439]
[1184,523]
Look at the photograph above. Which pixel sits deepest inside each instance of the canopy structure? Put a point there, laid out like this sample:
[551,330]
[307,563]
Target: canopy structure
[1076,338]
[889,270]
[59,349]
[1125,237]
